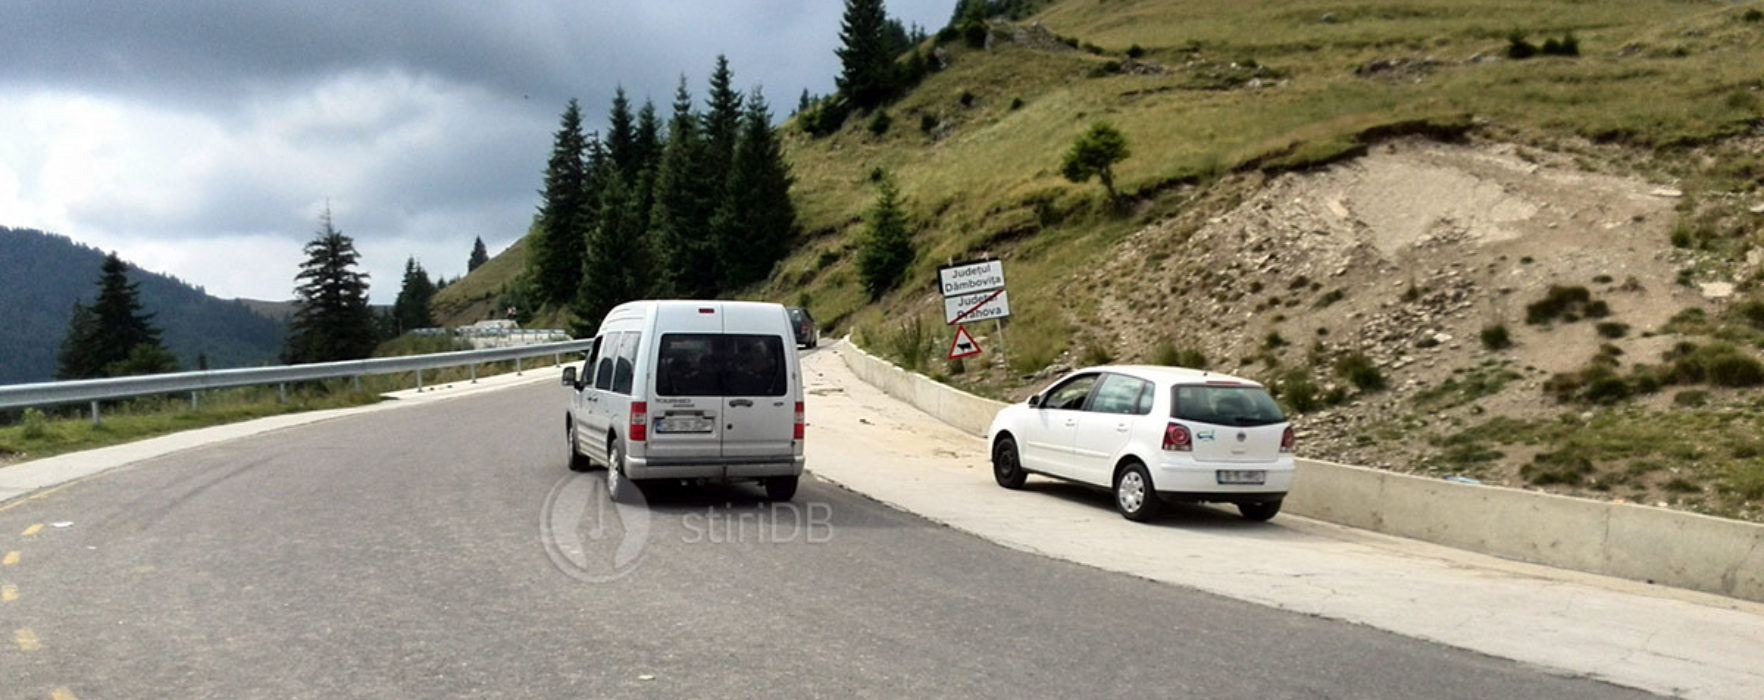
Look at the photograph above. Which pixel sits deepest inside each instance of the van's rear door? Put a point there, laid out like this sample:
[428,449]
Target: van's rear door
[686,405]
[758,402]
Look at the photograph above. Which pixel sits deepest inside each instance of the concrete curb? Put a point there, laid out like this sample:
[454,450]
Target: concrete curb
[1640,543]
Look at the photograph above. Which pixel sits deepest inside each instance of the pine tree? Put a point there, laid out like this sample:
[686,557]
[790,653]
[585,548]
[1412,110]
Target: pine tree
[887,247]
[411,310]
[332,320]
[866,69]
[617,267]
[621,136]
[756,221]
[803,103]
[722,121]
[556,260]
[649,138]
[685,197]
[102,340]
[480,255]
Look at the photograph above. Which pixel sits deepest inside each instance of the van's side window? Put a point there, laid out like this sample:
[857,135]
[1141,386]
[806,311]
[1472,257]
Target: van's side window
[626,363]
[603,372]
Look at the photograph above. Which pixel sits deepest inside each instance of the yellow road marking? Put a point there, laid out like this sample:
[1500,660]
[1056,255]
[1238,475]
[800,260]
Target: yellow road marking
[34,529]
[26,639]
[11,558]
[8,593]
[62,694]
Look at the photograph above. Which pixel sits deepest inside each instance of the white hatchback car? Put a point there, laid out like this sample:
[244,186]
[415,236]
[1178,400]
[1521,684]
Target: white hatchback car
[1151,434]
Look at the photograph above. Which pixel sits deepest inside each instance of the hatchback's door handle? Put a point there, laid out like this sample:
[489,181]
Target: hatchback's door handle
[739,403]
[1071,423]
[1122,428]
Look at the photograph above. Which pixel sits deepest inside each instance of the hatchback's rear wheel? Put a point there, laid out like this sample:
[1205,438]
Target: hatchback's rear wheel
[1007,465]
[1259,511]
[1135,496]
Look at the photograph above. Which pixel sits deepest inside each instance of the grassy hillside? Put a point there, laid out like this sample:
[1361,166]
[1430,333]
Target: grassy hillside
[1257,85]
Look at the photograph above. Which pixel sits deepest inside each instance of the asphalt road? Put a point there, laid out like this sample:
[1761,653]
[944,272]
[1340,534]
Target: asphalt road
[444,550]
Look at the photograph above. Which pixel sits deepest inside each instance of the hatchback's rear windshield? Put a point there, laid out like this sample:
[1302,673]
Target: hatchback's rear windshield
[1224,404]
[714,364]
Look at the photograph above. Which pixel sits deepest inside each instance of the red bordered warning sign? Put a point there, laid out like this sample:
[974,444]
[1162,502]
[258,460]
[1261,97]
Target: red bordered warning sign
[963,345]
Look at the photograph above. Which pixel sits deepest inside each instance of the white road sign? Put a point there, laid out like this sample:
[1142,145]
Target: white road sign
[993,304]
[969,278]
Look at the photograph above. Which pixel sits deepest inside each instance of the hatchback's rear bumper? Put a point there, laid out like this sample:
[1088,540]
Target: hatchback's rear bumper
[748,468]
[1191,481]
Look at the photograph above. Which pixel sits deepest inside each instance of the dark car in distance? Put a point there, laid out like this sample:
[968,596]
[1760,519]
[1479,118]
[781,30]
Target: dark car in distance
[804,325]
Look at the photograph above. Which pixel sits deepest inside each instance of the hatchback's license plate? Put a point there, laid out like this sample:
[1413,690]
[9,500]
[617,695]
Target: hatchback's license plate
[682,424]
[1253,477]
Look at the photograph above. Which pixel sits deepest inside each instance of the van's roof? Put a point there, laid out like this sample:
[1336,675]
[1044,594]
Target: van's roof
[1171,375]
[678,303]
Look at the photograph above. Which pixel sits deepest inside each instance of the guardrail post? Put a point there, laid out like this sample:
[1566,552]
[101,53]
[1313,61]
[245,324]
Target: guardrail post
[419,380]
[282,393]
[193,403]
[517,367]
[474,373]
[356,380]
[94,414]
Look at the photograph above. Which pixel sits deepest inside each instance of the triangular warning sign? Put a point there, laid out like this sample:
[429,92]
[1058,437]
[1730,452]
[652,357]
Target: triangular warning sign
[963,345]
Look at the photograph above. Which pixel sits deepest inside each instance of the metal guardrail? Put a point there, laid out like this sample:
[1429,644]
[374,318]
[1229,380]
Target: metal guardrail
[95,390]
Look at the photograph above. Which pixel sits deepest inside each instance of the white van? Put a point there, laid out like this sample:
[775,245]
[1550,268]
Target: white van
[689,390]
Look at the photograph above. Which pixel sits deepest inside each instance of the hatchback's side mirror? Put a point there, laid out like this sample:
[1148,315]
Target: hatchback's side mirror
[569,377]
[1035,401]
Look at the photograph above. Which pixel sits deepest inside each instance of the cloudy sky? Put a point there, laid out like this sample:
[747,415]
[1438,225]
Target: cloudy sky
[203,139]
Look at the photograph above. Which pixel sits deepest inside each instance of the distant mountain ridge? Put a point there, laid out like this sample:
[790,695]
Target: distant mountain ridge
[42,275]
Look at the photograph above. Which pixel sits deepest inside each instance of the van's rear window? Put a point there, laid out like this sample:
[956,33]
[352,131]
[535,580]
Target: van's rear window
[713,364]
[1221,404]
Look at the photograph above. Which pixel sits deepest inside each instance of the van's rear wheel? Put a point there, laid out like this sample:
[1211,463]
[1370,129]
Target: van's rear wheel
[618,487]
[578,462]
[781,488]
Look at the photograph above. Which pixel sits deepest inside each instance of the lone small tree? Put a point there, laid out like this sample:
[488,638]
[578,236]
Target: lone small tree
[887,248]
[411,310]
[332,320]
[1094,155]
[479,255]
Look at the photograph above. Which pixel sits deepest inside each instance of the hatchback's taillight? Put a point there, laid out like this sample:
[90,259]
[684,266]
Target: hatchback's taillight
[1286,440]
[1177,439]
[799,423]
[639,430]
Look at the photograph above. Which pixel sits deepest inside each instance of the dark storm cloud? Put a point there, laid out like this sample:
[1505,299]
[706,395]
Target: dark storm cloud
[203,138]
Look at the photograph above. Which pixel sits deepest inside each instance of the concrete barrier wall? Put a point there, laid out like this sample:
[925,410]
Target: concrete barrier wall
[1617,539]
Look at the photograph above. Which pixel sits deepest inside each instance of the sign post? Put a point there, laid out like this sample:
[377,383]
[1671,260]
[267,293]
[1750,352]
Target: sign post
[973,291]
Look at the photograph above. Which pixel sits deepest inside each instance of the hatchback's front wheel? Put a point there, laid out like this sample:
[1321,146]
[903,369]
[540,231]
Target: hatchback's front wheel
[1135,496]
[1007,465]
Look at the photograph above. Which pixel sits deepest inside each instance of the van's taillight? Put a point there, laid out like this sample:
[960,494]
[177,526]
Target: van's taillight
[1176,438]
[639,430]
[798,433]
[1286,440]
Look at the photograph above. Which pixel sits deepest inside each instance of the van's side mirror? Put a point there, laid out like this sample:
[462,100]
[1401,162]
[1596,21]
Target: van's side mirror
[569,377]
[1035,401]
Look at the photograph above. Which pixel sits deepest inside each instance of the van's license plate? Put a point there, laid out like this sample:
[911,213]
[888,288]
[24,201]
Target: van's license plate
[682,424]
[1254,477]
